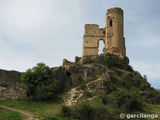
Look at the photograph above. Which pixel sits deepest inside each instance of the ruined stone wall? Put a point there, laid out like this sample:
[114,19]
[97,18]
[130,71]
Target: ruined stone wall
[91,39]
[112,35]
[10,85]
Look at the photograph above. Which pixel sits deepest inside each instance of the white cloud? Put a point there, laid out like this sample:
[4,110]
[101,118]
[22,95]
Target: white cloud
[33,19]
[32,31]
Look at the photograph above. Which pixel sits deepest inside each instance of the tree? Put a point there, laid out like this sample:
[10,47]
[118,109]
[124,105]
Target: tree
[39,83]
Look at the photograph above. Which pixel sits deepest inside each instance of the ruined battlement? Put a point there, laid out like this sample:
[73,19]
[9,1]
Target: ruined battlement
[93,30]
[112,35]
[115,10]
[91,25]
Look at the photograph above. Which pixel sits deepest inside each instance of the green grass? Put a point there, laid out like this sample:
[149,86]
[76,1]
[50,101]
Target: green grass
[9,115]
[49,111]
[41,109]
[96,103]
[156,109]
[153,108]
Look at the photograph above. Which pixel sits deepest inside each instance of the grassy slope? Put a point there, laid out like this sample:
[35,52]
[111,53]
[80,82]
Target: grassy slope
[41,109]
[9,115]
[153,108]
[50,110]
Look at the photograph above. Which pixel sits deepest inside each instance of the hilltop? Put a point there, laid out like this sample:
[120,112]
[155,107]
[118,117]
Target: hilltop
[105,85]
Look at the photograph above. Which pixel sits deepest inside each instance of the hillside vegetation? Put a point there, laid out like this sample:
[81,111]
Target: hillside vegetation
[91,88]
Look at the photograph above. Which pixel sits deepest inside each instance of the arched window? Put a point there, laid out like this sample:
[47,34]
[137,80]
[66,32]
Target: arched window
[110,23]
[101,46]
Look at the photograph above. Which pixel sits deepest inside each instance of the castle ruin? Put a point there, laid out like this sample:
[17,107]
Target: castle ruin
[112,35]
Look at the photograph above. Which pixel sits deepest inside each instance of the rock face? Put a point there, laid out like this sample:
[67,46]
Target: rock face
[96,75]
[69,74]
[10,85]
[88,67]
[102,76]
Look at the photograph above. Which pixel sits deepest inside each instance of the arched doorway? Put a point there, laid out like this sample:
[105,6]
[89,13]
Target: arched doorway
[100,46]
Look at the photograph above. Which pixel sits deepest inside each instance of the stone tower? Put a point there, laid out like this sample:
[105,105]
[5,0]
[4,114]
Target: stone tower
[115,42]
[112,35]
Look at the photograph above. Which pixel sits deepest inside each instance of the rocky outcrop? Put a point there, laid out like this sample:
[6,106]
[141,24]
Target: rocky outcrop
[70,74]
[88,67]
[71,97]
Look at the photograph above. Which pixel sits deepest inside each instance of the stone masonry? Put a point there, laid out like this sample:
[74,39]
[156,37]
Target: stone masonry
[112,35]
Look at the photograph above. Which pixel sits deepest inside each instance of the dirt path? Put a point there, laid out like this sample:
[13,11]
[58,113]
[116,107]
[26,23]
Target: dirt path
[26,114]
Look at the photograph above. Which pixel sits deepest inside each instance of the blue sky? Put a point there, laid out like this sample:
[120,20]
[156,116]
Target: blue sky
[48,31]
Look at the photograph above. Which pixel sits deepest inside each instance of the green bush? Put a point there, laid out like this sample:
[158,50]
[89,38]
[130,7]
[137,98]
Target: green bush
[87,60]
[100,113]
[152,96]
[126,83]
[129,100]
[88,94]
[105,99]
[82,112]
[115,61]
[50,118]
[109,86]
[86,112]
[39,83]
[137,79]
[66,111]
